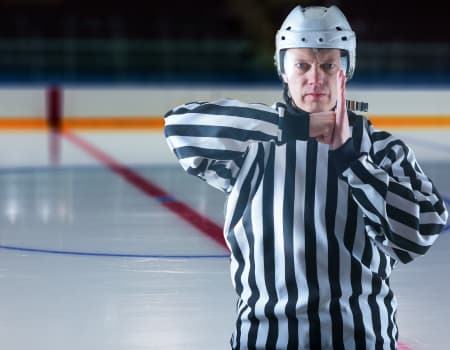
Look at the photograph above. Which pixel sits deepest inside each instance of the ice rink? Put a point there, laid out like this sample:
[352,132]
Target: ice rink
[106,244]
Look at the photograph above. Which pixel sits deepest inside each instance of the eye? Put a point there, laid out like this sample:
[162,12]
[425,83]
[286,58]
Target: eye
[302,66]
[329,67]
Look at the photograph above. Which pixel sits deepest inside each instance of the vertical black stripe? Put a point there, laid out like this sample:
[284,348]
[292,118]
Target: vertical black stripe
[269,244]
[358,131]
[376,290]
[375,312]
[288,233]
[248,227]
[355,275]
[391,317]
[311,246]
[238,328]
[333,259]
[237,254]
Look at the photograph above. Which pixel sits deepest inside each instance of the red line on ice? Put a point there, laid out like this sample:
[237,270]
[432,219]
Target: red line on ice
[199,221]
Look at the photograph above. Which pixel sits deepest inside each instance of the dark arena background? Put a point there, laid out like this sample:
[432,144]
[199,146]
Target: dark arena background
[225,40]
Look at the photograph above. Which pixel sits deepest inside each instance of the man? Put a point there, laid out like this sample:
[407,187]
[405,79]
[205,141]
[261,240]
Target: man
[321,205]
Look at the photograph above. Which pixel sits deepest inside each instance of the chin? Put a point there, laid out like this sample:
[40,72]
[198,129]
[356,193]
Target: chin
[316,108]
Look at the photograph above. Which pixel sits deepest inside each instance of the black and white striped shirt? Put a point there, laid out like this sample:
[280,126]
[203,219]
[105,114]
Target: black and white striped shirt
[312,245]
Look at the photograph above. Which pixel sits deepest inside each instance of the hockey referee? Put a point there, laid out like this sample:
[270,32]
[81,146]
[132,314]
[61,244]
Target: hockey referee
[321,206]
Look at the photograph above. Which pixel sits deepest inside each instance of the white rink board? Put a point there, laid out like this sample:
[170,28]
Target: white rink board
[22,102]
[156,101]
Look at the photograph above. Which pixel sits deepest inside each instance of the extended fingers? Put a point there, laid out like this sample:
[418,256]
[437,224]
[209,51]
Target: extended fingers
[341,130]
[340,105]
[342,90]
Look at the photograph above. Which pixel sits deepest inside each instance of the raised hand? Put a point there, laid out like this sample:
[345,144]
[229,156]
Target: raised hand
[341,132]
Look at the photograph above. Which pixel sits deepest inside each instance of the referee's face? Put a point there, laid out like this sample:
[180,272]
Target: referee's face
[311,77]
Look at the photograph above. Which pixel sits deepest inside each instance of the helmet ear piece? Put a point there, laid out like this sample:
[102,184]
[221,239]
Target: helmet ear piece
[282,55]
[279,63]
[344,61]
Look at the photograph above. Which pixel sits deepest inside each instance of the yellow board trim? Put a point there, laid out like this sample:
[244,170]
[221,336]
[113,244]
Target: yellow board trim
[116,123]
[23,123]
[130,123]
[409,121]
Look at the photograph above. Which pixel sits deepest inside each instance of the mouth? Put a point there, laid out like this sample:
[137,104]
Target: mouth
[315,95]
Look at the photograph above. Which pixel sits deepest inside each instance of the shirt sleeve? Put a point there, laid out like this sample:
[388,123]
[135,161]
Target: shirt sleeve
[211,140]
[403,211]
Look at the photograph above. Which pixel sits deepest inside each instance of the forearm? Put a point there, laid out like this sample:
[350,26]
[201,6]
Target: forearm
[403,214]
[224,124]
[211,139]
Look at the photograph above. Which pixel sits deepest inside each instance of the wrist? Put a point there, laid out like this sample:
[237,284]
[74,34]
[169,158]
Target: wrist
[344,155]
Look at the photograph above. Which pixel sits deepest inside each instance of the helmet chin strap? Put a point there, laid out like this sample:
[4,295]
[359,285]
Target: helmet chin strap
[287,96]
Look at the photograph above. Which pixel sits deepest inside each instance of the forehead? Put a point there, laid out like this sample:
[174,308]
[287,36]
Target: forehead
[312,54]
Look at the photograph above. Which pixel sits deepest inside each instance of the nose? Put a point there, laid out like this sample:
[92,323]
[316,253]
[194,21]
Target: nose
[315,75]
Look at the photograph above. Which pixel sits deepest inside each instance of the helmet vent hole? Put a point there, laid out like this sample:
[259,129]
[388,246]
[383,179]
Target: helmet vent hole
[338,28]
[303,39]
[282,38]
[320,39]
[288,28]
[344,38]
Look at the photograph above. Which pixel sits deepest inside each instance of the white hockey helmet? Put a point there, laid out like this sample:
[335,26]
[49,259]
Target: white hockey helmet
[317,27]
